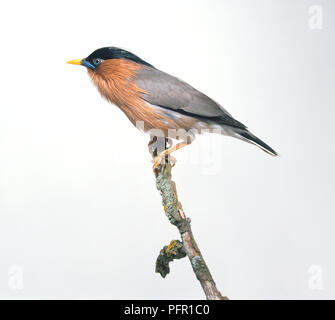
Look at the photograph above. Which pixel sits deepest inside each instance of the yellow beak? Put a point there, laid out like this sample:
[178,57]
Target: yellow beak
[76,61]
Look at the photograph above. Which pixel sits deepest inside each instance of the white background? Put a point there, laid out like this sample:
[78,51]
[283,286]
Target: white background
[79,213]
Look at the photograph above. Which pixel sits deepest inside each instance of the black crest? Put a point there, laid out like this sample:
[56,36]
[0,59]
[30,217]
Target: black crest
[115,53]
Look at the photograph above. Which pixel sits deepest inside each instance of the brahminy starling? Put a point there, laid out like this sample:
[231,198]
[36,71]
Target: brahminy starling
[159,100]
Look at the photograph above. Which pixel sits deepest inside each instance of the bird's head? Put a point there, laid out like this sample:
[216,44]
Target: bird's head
[97,57]
[94,60]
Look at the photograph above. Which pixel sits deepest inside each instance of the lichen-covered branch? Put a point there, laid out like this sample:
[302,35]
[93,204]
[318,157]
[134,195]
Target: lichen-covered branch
[175,250]
[176,216]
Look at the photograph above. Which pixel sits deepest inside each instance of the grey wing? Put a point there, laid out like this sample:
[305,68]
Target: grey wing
[162,89]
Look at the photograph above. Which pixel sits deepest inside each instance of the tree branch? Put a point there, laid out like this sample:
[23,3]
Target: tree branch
[176,249]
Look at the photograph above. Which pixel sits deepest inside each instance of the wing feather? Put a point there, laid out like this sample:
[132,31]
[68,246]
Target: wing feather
[162,89]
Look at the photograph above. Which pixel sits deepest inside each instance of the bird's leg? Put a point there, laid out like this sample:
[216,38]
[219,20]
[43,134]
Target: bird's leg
[166,153]
[169,158]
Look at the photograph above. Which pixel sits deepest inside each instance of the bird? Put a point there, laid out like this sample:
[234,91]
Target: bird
[160,101]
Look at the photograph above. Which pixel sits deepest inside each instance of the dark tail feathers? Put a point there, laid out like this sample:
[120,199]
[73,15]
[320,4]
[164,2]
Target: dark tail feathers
[246,135]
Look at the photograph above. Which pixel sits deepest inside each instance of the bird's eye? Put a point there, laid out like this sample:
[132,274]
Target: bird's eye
[96,61]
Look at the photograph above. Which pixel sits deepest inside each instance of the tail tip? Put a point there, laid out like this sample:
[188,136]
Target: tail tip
[259,143]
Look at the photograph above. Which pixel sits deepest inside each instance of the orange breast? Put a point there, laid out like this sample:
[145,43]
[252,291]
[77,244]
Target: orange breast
[114,80]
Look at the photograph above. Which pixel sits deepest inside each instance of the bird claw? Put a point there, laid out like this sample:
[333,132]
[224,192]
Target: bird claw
[159,160]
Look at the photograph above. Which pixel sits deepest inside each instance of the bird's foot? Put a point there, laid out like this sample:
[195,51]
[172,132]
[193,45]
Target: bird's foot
[161,159]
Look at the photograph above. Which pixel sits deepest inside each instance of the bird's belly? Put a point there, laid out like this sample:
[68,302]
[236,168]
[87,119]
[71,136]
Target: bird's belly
[157,120]
[148,118]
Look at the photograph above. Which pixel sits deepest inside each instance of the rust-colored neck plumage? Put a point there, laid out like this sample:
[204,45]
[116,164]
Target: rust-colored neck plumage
[114,79]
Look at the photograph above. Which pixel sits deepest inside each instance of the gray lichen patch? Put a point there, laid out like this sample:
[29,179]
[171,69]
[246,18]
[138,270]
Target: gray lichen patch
[167,190]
